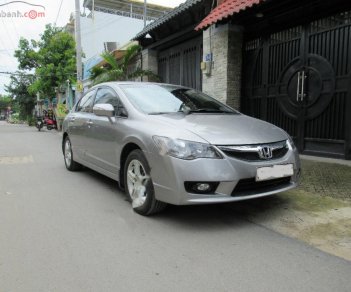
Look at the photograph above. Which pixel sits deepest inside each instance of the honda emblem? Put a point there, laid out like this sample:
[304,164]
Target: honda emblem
[265,152]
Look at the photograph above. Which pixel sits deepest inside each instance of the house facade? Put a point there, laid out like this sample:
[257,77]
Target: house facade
[109,26]
[284,61]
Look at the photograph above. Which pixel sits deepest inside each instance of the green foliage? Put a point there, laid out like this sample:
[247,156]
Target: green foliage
[119,70]
[26,55]
[52,57]
[5,102]
[14,119]
[31,121]
[18,89]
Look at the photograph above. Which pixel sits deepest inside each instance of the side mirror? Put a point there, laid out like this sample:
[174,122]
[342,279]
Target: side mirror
[121,112]
[104,110]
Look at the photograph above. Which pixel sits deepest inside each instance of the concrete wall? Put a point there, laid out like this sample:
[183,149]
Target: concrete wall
[224,81]
[149,62]
[224,44]
[107,28]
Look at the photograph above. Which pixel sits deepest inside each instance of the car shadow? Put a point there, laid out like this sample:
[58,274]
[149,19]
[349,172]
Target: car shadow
[236,214]
[202,217]
[102,179]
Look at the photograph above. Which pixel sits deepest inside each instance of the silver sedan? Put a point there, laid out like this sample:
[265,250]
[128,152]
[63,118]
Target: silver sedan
[168,144]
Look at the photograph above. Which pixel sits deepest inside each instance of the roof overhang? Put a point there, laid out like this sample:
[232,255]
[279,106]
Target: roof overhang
[226,9]
[179,23]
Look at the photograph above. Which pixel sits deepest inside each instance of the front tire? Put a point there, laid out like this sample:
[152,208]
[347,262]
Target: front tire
[71,165]
[138,185]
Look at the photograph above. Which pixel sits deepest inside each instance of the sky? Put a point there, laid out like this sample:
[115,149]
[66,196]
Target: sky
[29,20]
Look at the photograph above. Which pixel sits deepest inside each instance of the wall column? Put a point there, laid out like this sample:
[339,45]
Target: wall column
[224,43]
[149,62]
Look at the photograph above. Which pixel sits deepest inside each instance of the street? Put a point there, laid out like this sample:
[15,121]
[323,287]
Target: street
[65,231]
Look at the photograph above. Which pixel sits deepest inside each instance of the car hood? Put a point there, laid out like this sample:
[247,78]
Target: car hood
[224,129]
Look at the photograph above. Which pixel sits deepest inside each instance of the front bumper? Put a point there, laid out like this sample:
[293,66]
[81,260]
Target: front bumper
[169,174]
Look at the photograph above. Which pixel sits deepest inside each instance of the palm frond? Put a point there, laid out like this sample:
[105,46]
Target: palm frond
[108,75]
[130,53]
[110,59]
[118,71]
[140,73]
[95,72]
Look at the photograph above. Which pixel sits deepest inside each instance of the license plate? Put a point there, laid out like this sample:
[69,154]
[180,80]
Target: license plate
[274,171]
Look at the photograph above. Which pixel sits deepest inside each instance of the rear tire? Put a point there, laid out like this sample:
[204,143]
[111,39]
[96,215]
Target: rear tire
[71,165]
[138,185]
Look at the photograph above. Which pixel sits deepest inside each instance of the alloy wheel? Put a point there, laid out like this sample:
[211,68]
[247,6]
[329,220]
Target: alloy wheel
[137,181]
[68,153]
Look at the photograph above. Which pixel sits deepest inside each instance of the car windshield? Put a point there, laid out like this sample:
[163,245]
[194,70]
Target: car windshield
[163,99]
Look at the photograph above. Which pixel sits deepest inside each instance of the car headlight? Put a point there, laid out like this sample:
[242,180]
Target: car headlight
[185,149]
[291,142]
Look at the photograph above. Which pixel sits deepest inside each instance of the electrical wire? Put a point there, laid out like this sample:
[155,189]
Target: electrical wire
[8,35]
[14,26]
[101,23]
[4,48]
[58,13]
[32,74]
[95,29]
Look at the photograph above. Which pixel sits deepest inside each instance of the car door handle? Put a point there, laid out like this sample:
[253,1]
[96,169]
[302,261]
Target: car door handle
[89,122]
[72,119]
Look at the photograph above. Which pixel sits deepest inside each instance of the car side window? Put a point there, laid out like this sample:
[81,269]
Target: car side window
[86,102]
[107,95]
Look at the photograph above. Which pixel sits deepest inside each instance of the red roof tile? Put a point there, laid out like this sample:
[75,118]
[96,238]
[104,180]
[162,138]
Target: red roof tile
[226,9]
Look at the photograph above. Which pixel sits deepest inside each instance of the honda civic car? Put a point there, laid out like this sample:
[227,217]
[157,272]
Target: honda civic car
[168,144]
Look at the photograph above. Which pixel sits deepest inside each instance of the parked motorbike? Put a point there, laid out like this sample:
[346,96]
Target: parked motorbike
[50,120]
[51,124]
[39,123]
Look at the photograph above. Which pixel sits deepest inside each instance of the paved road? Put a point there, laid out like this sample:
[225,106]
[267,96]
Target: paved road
[62,231]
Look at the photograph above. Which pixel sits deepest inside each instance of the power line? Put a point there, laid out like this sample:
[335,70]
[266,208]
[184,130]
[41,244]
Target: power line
[15,73]
[101,23]
[4,48]
[58,13]
[32,74]
[8,35]
[14,26]
[94,29]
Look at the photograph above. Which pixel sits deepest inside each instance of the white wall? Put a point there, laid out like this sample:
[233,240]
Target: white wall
[107,28]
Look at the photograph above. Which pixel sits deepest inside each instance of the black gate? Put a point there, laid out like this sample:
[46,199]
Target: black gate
[299,80]
[181,64]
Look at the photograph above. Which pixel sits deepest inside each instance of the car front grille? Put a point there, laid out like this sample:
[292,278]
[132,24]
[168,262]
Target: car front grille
[254,152]
[249,186]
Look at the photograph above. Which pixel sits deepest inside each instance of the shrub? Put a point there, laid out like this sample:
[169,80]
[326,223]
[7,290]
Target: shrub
[31,121]
[14,119]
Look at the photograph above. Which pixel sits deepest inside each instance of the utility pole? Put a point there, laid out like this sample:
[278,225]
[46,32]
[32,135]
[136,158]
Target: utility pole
[78,51]
[145,8]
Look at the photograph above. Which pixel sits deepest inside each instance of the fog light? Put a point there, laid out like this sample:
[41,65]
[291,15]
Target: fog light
[200,187]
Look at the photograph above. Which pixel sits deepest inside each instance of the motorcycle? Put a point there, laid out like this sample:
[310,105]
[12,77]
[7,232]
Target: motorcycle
[39,123]
[50,120]
[50,124]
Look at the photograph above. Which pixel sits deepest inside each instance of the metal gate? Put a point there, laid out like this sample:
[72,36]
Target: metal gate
[299,80]
[181,64]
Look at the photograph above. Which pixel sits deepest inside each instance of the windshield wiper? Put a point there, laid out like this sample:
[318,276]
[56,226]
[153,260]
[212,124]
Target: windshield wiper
[206,110]
[160,113]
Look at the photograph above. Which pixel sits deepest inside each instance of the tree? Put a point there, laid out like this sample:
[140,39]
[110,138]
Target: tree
[18,90]
[5,102]
[119,70]
[52,58]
